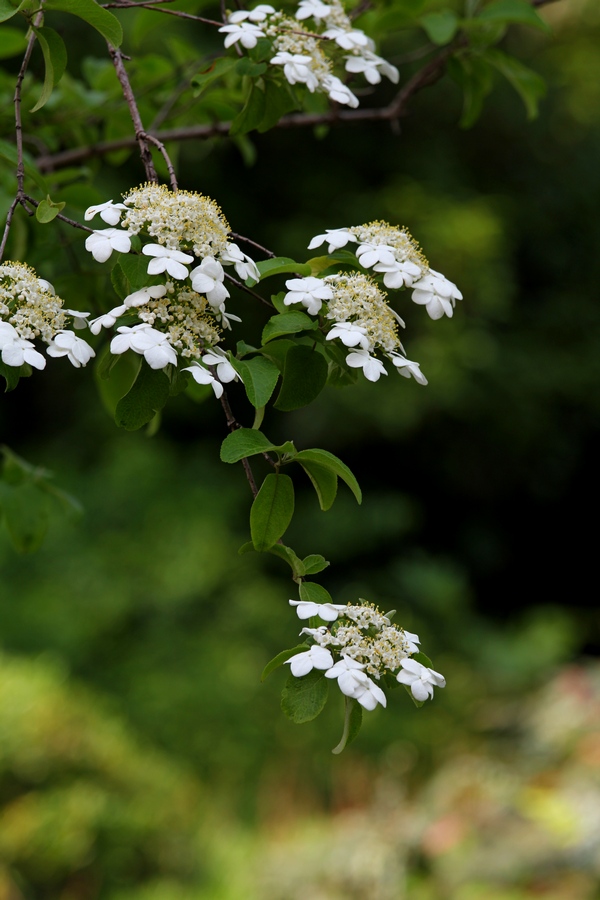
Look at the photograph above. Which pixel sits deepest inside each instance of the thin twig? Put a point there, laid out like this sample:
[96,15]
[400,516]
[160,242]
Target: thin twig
[240,237]
[140,134]
[233,424]
[10,214]
[59,216]
[148,4]
[161,148]
[243,287]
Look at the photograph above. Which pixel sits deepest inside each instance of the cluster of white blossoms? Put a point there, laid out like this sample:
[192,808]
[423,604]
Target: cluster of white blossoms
[363,320]
[303,54]
[30,309]
[181,311]
[358,647]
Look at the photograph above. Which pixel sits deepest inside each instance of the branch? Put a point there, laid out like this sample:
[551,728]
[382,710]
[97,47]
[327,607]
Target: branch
[161,148]
[140,134]
[233,424]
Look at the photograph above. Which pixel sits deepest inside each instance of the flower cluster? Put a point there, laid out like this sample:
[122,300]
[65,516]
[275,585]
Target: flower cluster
[359,647]
[301,53]
[363,320]
[181,311]
[29,309]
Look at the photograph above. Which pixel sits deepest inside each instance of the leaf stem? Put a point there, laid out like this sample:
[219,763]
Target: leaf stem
[345,733]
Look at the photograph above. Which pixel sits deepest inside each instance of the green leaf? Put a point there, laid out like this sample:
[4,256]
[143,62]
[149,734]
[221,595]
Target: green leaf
[513,11]
[314,563]
[215,70]
[134,267]
[25,509]
[47,210]
[148,394]
[474,75]
[288,556]
[304,377]
[55,62]
[287,323]
[11,375]
[282,657]
[441,26]
[90,11]
[303,698]
[311,592]
[324,482]
[530,86]
[329,461]
[352,723]
[9,152]
[251,113]
[7,10]
[277,352]
[13,41]
[244,442]
[260,376]
[422,658]
[278,101]
[279,265]
[245,66]
[272,511]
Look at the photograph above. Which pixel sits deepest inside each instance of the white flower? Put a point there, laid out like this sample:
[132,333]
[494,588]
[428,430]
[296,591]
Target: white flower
[370,695]
[77,351]
[225,371]
[244,265]
[258,14]
[314,8]
[207,279]
[107,320]
[371,254]
[336,237]
[143,296]
[153,345]
[310,292]
[421,679]
[297,69]
[408,368]
[225,318]
[203,376]
[315,658]
[109,212]
[102,243]
[371,65]
[350,334]
[355,683]
[167,261]
[79,318]
[398,274]
[17,350]
[350,675]
[244,32]
[353,39]
[437,294]
[338,91]
[371,366]
[326,611]
[412,641]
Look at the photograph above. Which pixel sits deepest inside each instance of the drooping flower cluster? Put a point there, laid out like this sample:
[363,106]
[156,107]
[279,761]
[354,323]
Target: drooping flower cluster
[30,309]
[181,311]
[363,320]
[303,54]
[359,647]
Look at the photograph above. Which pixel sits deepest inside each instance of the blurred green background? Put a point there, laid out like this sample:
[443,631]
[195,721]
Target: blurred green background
[140,757]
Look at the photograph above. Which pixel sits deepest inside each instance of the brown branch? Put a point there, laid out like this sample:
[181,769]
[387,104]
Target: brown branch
[9,216]
[59,216]
[240,237]
[140,134]
[243,287]
[233,424]
[161,148]
[149,4]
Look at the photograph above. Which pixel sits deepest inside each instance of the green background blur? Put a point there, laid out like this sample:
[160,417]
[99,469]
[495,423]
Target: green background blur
[140,757]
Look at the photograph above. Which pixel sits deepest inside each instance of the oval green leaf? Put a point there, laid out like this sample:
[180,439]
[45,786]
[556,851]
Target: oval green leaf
[304,377]
[302,699]
[272,511]
[329,461]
